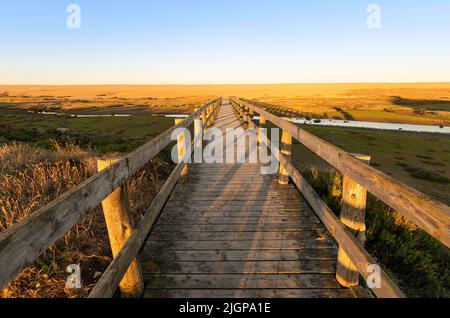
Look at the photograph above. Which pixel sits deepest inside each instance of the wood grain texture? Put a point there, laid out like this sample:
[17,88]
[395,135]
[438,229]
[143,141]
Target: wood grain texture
[23,243]
[120,227]
[108,283]
[353,216]
[348,243]
[430,215]
[230,229]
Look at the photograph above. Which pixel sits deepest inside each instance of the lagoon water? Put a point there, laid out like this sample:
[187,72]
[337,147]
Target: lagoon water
[78,115]
[304,121]
[371,125]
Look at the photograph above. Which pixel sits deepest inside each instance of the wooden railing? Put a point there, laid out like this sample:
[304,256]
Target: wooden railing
[431,216]
[23,243]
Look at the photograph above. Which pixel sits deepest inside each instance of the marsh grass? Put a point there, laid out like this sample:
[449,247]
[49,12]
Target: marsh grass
[415,260]
[102,135]
[30,178]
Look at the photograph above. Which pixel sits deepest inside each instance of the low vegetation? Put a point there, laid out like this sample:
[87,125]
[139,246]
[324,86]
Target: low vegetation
[419,160]
[103,135]
[416,261]
[31,177]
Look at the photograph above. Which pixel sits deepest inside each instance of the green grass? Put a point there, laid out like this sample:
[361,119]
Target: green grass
[417,262]
[108,134]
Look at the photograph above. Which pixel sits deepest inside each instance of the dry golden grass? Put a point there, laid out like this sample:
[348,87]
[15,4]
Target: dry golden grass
[101,104]
[247,91]
[31,178]
[417,103]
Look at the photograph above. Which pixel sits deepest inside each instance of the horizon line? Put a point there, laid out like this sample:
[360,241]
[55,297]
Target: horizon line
[236,84]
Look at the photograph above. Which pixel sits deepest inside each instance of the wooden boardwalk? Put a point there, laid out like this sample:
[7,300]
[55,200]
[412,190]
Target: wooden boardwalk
[228,231]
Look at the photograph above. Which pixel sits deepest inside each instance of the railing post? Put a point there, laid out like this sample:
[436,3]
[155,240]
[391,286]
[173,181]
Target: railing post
[262,125]
[245,114]
[181,141]
[239,112]
[204,116]
[211,112]
[207,117]
[353,214]
[198,133]
[286,150]
[217,105]
[250,118]
[120,227]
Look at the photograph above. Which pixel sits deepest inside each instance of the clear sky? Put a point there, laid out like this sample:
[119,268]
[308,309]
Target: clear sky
[223,41]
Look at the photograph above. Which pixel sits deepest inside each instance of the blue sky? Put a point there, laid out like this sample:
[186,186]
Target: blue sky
[223,41]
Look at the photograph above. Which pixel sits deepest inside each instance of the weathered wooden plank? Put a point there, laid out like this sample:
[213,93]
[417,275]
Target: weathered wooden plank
[233,201]
[236,255]
[248,293]
[239,281]
[236,220]
[237,245]
[112,276]
[23,243]
[213,204]
[237,213]
[238,236]
[232,192]
[237,227]
[236,242]
[244,210]
[239,267]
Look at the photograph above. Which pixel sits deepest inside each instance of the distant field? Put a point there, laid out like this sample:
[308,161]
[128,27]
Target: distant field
[104,135]
[420,160]
[421,103]
[399,103]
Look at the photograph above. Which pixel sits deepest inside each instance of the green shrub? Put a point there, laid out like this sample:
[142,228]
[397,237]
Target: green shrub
[415,260]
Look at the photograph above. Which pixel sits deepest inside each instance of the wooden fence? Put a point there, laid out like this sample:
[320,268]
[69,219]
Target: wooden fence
[431,216]
[23,243]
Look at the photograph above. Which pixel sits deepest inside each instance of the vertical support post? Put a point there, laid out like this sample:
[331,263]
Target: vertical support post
[262,125]
[250,118]
[216,105]
[286,150]
[211,113]
[353,214]
[239,112]
[208,115]
[204,116]
[120,228]
[198,138]
[181,140]
[246,114]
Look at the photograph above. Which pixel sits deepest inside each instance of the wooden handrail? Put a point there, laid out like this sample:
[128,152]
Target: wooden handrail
[339,231]
[350,245]
[430,215]
[23,243]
